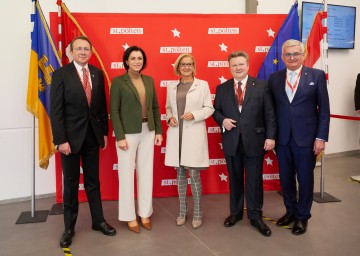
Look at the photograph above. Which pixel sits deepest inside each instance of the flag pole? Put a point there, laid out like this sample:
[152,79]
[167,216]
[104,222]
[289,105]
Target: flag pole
[33,216]
[323,197]
[57,208]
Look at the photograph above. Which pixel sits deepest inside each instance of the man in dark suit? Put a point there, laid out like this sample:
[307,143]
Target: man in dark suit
[245,112]
[303,116]
[79,123]
[357,94]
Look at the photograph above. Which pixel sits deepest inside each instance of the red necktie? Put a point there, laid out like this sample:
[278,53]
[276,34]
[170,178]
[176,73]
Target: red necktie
[86,85]
[239,94]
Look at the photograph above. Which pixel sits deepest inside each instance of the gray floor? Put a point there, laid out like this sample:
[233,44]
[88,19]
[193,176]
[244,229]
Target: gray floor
[334,228]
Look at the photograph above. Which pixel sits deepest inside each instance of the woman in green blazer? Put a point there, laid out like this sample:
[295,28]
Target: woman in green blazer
[135,117]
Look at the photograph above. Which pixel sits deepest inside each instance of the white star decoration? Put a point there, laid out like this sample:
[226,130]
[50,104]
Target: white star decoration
[222,79]
[223,177]
[176,33]
[125,46]
[268,161]
[223,47]
[270,32]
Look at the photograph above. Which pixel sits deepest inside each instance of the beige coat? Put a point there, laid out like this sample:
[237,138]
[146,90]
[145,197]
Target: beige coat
[194,150]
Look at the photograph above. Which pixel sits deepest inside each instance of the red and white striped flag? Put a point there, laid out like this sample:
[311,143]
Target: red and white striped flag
[314,49]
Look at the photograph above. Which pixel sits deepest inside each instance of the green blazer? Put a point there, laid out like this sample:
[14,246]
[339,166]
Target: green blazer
[125,106]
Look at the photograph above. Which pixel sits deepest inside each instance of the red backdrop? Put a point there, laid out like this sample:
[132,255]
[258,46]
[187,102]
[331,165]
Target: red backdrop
[210,38]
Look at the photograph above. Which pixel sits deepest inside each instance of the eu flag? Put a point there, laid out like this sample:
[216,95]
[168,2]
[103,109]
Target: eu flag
[288,30]
[44,60]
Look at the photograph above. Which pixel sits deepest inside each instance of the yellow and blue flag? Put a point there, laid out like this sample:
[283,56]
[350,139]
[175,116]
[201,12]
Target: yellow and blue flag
[44,59]
[288,30]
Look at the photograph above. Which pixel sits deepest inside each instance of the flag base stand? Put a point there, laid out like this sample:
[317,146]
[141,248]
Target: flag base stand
[326,198]
[39,216]
[56,209]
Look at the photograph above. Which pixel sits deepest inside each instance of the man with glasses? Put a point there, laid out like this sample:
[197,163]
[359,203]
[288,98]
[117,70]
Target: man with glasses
[303,116]
[244,110]
[79,123]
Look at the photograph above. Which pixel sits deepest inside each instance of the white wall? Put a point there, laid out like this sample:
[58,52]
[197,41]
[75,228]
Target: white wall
[15,124]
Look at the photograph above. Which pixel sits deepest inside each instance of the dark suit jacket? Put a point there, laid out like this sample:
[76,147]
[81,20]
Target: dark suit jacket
[256,122]
[126,110]
[307,117]
[357,93]
[69,110]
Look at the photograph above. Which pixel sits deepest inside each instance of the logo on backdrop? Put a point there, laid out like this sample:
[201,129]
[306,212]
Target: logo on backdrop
[224,31]
[117,65]
[214,130]
[220,161]
[126,31]
[165,83]
[175,49]
[262,48]
[218,63]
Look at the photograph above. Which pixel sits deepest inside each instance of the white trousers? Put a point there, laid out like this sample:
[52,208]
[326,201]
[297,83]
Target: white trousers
[139,156]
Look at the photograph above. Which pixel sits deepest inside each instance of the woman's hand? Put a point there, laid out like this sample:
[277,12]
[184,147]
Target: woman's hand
[158,139]
[187,116]
[122,144]
[173,122]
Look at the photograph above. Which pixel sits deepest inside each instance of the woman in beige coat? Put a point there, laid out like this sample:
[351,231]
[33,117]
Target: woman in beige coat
[188,104]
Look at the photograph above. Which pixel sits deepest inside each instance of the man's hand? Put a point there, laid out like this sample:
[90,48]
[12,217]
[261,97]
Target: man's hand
[229,123]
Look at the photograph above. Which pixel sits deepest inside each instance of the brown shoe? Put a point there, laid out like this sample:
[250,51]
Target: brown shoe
[134,226]
[146,223]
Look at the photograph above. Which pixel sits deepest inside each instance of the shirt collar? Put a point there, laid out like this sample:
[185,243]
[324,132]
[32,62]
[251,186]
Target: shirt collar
[244,81]
[79,68]
[296,71]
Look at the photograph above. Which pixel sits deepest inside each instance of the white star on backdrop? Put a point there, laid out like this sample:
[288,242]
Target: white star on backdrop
[222,79]
[125,46]
[270,32]
[268,161]
[223,177]
[176,33]
[223,47]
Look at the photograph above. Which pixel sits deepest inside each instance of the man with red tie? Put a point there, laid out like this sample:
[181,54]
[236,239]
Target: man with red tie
[79,123]
[244,110]
[303,116]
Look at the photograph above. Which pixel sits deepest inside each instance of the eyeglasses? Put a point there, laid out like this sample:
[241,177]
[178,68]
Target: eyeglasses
[80,49]
[294,55]
[189,65]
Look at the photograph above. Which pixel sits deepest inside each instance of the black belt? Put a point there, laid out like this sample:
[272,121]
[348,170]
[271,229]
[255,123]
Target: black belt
[144,119]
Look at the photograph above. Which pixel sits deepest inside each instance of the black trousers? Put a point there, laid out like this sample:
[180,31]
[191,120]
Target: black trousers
[89,157]
[251,167]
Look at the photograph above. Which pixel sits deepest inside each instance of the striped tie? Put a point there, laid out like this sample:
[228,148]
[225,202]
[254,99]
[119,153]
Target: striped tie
[86,85]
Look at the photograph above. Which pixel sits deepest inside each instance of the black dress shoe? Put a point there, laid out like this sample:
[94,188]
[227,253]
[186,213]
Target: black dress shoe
[105,228]
[286,220]
[65,239]
[299,227]
[231,220]
[261,226]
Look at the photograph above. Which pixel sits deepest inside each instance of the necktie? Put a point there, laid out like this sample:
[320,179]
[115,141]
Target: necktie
[86,85]
[292,79]
[239,94]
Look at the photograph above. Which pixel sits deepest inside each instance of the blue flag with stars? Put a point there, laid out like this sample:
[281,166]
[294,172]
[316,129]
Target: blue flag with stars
[288,30]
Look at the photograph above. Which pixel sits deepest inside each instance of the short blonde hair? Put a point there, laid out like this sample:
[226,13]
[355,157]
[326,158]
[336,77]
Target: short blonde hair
[293,42]
[178,60]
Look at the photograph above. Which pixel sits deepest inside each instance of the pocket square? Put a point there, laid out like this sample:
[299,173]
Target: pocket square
[312,83]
